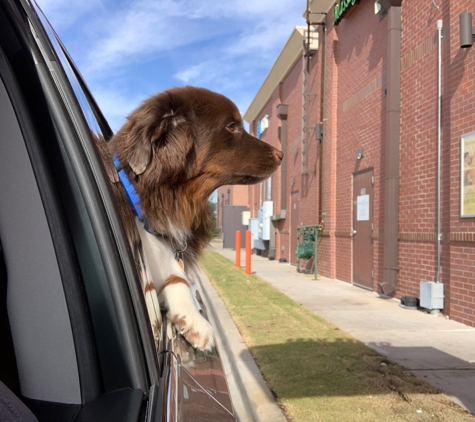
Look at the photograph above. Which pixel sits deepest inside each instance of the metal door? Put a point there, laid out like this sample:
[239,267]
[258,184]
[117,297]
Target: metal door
[294,222]
[363,229]
[232,222]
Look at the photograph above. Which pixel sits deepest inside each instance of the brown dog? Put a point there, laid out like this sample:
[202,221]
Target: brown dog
[176,149]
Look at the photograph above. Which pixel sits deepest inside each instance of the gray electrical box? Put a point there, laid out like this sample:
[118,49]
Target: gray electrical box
[432,295]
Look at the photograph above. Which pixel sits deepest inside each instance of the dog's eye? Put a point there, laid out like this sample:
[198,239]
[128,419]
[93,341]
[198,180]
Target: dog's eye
[231,127]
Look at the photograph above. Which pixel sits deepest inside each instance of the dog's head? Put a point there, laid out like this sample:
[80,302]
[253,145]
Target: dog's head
[193,137]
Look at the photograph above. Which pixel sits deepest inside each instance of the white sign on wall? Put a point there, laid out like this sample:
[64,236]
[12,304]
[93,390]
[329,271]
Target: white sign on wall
[362,208]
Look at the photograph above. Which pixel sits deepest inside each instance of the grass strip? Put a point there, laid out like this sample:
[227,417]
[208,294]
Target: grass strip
[316,371]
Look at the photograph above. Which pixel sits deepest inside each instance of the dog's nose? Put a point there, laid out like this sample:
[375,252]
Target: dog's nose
[279,155]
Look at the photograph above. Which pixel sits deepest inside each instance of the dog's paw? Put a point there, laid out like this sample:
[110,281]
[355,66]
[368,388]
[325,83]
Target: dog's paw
[183,313]
[194,327]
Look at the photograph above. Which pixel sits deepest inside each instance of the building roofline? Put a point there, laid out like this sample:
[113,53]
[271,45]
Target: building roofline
[286,60]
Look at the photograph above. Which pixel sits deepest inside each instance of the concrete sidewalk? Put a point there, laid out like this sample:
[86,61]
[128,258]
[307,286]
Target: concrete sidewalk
[435,349]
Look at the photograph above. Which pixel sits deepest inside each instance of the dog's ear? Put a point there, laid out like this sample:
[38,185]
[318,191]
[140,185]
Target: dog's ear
[139,156]
[152,129]
[175,153]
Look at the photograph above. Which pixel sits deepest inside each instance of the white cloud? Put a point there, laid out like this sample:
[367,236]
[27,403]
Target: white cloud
[144,28]
[226,45]
[253,51]
[258,10]
[120,34]
[64,13]
[115,104]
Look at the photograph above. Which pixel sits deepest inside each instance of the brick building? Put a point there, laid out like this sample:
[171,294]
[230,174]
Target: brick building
[373,104]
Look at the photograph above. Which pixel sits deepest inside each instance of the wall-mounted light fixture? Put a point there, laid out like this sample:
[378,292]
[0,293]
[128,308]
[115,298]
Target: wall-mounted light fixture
[381,7]
[292,181]
[359,153]
[467,31]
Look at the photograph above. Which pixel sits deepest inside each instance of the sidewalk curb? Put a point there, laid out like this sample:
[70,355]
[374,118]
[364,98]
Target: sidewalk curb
[252,399]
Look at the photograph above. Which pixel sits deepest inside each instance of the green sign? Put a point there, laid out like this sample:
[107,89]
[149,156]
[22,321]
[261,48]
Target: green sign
[341,8]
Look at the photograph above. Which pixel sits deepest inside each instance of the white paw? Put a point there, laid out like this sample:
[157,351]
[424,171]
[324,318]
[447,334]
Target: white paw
[196,330]
[183,313]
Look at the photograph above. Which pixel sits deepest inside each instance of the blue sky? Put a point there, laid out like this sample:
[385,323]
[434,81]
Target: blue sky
[128,50]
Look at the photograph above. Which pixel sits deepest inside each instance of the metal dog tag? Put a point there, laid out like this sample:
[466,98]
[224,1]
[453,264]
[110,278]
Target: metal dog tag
[179,259]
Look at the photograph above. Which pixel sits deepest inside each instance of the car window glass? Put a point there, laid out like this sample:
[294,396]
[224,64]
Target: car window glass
[95,127]
[81,97]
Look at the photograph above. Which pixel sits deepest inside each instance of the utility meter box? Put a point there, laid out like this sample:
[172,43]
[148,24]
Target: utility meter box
[431,295]
[265,217]
[246,215]
[256,243]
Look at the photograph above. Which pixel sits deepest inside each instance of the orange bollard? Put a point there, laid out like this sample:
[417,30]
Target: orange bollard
[248,252]
[238,249]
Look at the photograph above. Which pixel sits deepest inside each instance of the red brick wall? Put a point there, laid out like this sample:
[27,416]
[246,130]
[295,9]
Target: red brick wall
[418,259]
[418,168]
[360,115]
[459,107]
[355,117]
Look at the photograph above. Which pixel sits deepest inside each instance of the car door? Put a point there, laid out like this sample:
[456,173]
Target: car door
[77,322]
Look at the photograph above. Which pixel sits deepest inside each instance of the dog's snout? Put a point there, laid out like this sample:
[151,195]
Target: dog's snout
[279,155]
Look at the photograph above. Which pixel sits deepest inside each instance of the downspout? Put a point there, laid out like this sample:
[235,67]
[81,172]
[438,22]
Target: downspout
[392,135]
[323,125]
[439,129]
[282,113]
[269,189]
[320,128]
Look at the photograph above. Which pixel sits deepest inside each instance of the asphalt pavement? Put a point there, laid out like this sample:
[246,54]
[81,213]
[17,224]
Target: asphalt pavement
[433,348]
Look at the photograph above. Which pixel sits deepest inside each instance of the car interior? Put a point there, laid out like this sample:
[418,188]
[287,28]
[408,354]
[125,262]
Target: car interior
[62,344]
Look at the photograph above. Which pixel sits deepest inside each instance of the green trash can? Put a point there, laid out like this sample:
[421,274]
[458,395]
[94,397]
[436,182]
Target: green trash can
[307,240]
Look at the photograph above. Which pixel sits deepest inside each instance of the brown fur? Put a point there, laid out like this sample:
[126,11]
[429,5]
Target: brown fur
[173,279]
[177,148]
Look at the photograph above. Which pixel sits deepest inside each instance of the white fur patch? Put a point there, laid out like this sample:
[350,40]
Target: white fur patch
[176,297]
[190,323]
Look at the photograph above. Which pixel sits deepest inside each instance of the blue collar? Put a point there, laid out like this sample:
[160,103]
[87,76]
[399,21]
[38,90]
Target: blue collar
[134,199]
[132,196]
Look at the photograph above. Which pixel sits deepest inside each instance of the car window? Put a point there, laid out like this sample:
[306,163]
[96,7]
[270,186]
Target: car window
[101,132]
[80,95]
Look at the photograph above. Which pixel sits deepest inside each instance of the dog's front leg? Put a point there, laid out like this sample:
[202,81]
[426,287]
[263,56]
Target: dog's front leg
[177,297]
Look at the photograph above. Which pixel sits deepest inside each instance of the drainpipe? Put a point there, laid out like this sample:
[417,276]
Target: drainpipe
[392,136]
[282,113]
[323,124]
[320,127]
[439,127]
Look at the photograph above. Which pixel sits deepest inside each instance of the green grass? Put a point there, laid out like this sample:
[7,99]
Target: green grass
[316,371]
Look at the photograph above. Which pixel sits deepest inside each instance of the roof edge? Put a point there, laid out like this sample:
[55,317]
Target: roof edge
[286,60]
